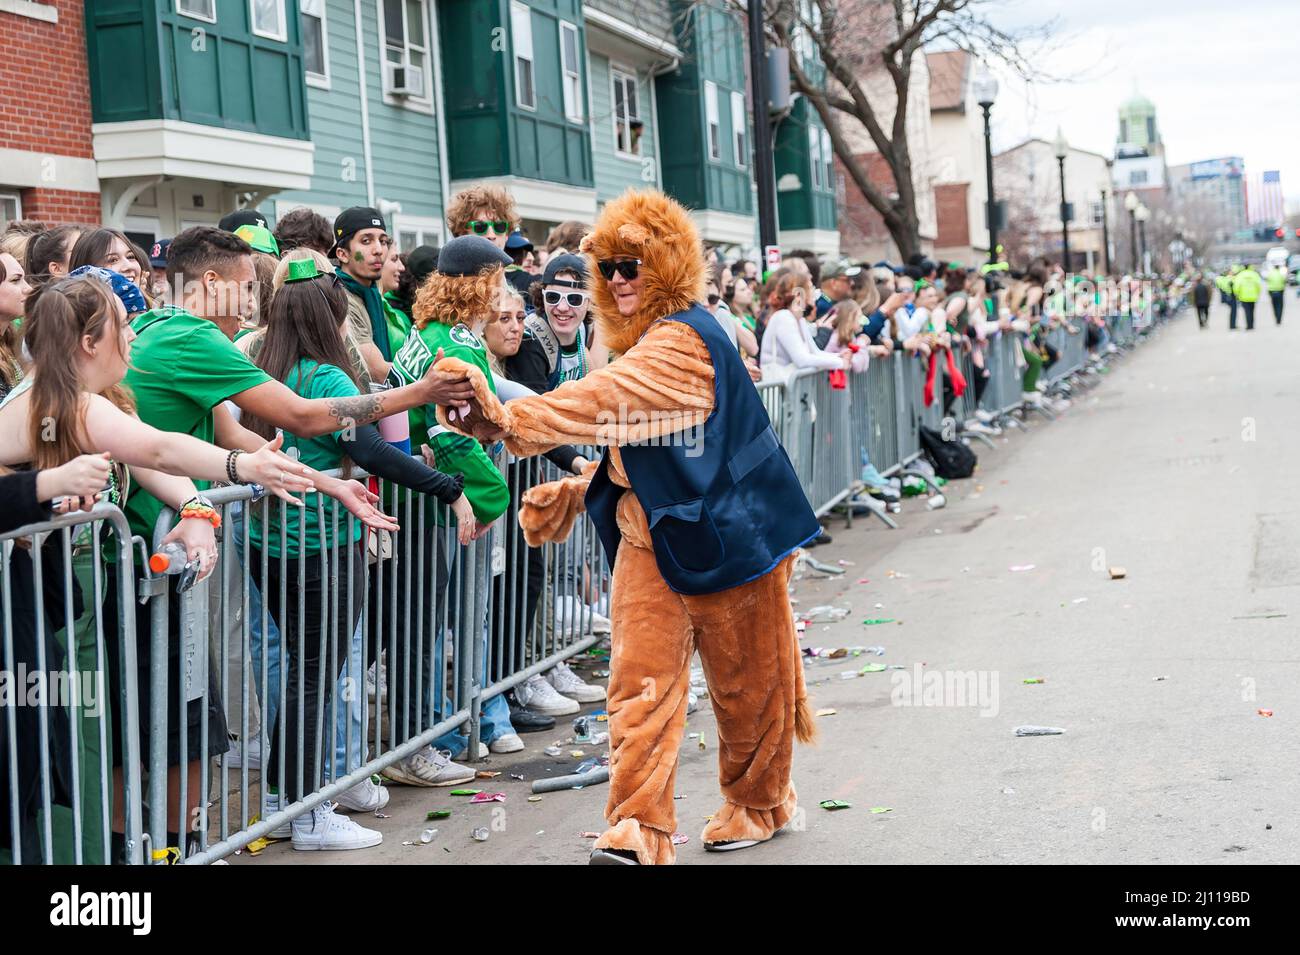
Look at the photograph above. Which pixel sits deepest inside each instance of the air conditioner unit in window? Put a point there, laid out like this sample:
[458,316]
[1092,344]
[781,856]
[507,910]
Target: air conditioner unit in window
[405,80]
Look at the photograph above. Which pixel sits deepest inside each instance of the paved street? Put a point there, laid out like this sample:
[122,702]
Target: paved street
[1176,467]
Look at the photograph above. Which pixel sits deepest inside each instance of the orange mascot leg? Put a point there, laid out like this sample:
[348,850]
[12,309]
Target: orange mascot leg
[751,660]
[649,675]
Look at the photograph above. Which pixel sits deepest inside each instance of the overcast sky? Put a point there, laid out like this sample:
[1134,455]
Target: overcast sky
[1224,76]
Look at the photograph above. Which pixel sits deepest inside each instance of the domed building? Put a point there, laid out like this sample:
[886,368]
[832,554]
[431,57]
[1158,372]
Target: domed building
[1137,125]
[1139,151]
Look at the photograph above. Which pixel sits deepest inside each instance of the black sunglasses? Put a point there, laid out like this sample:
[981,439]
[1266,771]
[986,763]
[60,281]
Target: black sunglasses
[628,268]
[480,226]
[575,299]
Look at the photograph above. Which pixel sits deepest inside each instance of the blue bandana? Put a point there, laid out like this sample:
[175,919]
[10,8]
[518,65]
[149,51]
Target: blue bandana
[122,287]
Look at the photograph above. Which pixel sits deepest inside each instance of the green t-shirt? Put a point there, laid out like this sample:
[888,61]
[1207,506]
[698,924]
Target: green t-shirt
[454,453]
[182,367]
[323,453]
[398,322]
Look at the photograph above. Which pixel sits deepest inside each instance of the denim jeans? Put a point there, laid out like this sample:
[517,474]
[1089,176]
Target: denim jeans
[495,715]
[349,690]
[350,693]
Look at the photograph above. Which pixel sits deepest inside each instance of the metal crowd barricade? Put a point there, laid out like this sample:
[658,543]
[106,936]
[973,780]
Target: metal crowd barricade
[62,788]
[545,601]
[1003,393]
[444,629]
[873,412]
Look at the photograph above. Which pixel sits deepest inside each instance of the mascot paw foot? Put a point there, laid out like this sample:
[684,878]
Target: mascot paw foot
[612,857]
[632,841]
[740,827]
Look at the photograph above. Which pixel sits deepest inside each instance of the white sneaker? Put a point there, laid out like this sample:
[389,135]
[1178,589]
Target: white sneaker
[381,685]
[538,695]
[285,829]
[235,758]
[598,622]
[509,743]
[573,618]
[324,829]
[567,683]
[365,796]
[987,417]
[429,767]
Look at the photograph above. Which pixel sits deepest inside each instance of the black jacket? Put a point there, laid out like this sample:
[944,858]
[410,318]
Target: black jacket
[18,508]
[529,367]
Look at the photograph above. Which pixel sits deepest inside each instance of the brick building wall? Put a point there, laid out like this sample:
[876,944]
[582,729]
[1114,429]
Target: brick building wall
[61,206]
[862,230]
[45,112]
[952,215]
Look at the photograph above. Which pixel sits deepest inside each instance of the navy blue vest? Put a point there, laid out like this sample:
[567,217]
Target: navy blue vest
[723,502]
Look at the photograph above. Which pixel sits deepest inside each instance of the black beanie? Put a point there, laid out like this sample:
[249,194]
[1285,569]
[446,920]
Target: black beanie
[470,255]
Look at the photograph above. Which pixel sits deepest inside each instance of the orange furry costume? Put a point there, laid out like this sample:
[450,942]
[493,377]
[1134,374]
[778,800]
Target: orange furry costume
[745,634]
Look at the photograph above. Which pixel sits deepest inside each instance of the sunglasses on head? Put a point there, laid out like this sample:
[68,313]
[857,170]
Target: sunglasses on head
[575,299]
[628,268]
[480,226]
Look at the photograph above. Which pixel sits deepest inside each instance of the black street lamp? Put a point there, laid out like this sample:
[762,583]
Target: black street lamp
[1131,204]
[1063,150]
[1142,214]
[1105,217]
[764,170]
[986,91]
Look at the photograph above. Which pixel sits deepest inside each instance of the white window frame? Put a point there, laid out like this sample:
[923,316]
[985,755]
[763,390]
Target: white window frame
[627,79]
[428,231]
[828,160]
[17,200]
[571,80]
[318,80]
[712,125]
[283,35]
[815,156]
[739,130]
[284,206]
[418,104]
[181,11]
[521,40]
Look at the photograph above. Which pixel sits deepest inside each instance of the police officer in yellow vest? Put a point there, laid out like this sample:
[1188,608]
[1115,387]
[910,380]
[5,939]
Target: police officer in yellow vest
[1245,289]
[1223,282]
[1276,280]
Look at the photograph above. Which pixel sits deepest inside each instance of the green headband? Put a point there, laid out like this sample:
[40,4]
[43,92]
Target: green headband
[300,269]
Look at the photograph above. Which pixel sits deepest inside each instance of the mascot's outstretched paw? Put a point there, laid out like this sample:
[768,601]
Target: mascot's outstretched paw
[548,511]
[487,416]
[739,827]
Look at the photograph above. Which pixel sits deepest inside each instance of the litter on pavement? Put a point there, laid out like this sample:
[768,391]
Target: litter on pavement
[1039,731]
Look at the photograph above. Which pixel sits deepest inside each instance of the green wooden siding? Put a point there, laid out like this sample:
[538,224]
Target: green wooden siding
[614,172]
[810,206]
[149,62]
[404,141]
[488,133]
[713,45]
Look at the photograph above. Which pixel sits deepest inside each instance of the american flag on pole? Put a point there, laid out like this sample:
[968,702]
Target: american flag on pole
[1265,196]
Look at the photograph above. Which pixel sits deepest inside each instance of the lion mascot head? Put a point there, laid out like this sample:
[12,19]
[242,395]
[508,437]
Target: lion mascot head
[647,225]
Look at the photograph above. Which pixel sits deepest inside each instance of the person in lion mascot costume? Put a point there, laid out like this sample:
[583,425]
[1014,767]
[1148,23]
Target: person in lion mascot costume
[699,512]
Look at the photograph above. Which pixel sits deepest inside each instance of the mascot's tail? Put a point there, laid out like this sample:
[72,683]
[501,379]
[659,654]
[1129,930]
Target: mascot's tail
[805,727]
